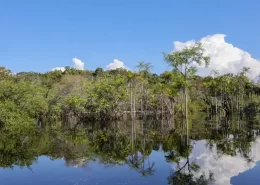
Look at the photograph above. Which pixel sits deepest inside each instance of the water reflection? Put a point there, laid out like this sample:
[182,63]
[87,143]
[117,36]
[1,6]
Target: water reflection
[217,149]
[222,167]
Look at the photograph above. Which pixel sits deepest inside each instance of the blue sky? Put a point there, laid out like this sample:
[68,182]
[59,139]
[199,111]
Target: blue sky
[43,34]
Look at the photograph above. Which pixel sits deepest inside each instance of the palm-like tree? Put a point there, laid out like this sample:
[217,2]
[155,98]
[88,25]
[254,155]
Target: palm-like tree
[143,66]
[137,163]
[245,71]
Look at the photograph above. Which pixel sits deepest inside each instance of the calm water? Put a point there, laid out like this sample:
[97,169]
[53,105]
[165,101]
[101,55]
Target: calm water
[217,152]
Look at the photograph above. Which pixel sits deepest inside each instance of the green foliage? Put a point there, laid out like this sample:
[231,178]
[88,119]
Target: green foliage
[183,61]
[4,73]
[104,95]
[21,101]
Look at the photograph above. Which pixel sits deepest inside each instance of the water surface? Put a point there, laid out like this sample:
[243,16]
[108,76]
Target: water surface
[131,153]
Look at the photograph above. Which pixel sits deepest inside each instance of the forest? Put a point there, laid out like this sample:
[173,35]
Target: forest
[120,116]
[75,96]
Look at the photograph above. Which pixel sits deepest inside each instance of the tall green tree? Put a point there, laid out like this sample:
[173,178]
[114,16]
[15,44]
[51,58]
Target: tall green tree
[184,62]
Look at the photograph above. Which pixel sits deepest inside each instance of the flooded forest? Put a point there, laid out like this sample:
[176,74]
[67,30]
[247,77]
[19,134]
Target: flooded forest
[136,119]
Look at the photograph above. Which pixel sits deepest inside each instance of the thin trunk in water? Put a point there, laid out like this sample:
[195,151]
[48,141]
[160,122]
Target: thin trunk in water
[142,99]
[173,115]
[134,104]
[186,112]
[221,96]
[131,101]
[216,101]
[162,106]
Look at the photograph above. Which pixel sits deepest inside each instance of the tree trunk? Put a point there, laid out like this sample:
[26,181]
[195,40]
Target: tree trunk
[186,111]
[134,104]
[131,101]
[216,101]
[173,115]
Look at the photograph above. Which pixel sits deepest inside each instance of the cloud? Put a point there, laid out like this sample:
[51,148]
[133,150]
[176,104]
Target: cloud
[115,65]
[224,167]
[78,64]
[225,57]
[58,69]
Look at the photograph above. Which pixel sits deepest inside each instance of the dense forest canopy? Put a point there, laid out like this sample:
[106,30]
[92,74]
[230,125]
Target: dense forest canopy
[79,95]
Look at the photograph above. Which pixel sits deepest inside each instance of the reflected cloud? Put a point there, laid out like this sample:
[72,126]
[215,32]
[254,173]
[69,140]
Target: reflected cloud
[77,163]
[224,167]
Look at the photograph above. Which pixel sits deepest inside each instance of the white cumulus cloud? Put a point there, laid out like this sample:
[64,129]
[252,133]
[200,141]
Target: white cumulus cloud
[59,69]
[78,64]
[225,57]
[116,64]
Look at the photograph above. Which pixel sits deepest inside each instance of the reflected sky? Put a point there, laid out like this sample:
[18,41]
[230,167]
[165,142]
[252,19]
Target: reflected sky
[56,172]
[248,177]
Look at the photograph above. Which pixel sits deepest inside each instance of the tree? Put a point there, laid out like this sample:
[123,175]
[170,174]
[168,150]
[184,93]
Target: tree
[132,80]
[184,62]
[4,73]
[99,71]
[215,73]
[142,66]
[144,70]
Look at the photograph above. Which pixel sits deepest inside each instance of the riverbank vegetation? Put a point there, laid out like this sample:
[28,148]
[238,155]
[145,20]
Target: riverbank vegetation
[76,96]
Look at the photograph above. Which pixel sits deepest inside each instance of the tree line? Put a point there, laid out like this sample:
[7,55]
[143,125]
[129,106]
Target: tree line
[78,95]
